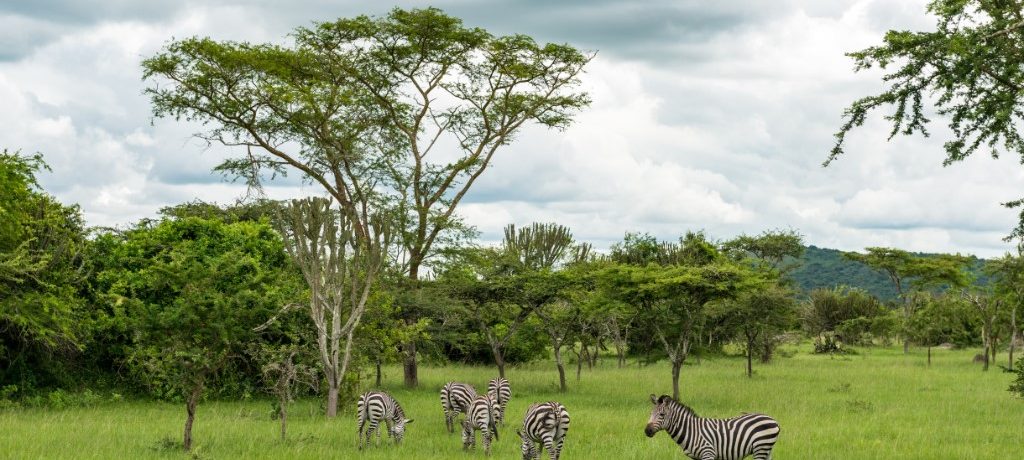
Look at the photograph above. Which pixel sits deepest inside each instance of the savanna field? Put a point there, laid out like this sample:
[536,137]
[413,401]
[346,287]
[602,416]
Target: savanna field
[873,405]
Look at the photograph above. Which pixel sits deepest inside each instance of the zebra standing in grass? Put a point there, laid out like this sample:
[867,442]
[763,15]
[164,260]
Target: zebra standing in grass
[482,415]
[502,393]
[713,439]
[545,423]
[374,407]
[455,399]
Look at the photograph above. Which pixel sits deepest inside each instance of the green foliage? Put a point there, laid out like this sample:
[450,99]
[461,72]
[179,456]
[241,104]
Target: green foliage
[1017,386]
[827,309]
[771,248]
[944,319]
[43,314]
[194,290]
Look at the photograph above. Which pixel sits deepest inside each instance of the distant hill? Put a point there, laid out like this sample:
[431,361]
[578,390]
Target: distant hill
[827,268]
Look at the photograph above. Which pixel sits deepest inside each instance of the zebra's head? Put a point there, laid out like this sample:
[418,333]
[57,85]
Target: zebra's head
[657,414]
[398,429]
[529,448]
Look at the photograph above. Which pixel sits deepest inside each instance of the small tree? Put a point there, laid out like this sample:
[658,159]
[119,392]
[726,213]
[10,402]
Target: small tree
[282,374]
[987,307]
[1008,272]
[757,315]
[197,289]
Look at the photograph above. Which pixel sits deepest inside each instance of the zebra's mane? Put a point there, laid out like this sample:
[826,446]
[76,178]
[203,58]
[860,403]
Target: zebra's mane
[672,401]
[399,412]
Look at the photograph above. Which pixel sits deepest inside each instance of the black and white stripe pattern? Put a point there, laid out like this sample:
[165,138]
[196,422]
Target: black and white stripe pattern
[374,407]
[501,391]
[545,423]
[455,399]
[713,439]
[482,415]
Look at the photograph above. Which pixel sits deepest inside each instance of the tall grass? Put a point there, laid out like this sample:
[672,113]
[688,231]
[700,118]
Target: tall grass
[878,404]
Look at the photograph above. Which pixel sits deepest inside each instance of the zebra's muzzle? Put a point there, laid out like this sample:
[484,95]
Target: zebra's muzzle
[650,430]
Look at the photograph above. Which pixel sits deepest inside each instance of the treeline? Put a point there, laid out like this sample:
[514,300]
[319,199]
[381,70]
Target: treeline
[211,301]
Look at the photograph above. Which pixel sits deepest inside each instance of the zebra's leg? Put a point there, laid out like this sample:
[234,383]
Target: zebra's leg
[468,435]
[485,432]
[359,436]
[555,450]
[370,431]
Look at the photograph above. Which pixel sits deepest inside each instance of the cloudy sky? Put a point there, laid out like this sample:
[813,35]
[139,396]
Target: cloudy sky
[706,115]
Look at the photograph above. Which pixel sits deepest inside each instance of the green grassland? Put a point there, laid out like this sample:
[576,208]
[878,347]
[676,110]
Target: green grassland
[877,404]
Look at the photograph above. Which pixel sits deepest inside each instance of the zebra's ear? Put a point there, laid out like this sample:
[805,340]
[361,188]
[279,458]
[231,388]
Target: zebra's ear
[408,420]
[654,399]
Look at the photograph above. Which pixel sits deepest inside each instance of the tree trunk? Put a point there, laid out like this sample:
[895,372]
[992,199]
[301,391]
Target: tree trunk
[929,356]
[676,366]
[906,346]
[283,412]
[1013,335]
[620,350]
[409,365]
[378,373]
[579,363]
[750,357]
[499,359]
[332,398]
[190,409]
[561,369]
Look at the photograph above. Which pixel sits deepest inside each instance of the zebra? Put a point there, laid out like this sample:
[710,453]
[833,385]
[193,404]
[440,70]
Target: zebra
[713,439]
[455,399]
[546,423]
[374,407]
[482,415]
[502,392]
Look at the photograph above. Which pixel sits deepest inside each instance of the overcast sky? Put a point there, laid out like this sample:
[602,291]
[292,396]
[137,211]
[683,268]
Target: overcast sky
[711,115]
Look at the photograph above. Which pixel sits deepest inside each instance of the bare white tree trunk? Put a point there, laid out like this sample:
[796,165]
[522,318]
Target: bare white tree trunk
[340,270]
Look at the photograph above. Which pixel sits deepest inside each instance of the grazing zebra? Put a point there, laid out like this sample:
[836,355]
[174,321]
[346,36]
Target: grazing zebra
[502,392]
[455,399]
[546,423]
[482,415]
[713,439]
[376,406]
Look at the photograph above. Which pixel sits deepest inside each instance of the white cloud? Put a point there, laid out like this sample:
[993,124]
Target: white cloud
[709,117]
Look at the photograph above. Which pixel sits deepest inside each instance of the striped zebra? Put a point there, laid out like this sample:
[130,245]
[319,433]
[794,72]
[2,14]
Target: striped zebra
[455,399]
[482,415]
[374,407]
[545,423]
[502,393]
[713,439]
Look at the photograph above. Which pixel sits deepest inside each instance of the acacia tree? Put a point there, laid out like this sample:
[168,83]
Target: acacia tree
[940,319]
[968,68]
[373,98]
[454,95]
[340,270]
[988,306]
[673,299]
[906,270]
[761,310]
